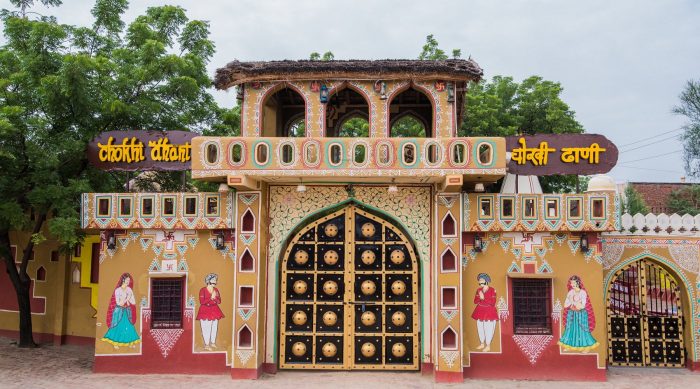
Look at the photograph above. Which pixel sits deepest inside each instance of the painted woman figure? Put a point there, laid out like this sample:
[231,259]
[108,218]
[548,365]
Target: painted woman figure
[485,312]
[578,318]
[121,315]
[209,312]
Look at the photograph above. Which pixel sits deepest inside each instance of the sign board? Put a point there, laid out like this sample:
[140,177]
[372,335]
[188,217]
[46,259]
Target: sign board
[550,154]
[142,150]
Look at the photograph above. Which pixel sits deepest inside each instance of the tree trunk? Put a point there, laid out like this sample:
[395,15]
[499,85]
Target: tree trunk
[21,281]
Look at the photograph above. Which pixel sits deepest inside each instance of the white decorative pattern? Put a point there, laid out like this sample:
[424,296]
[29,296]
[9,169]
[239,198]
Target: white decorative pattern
[448,314]
[612,254]
[449,357]
[503,311]
[532,345]
[244,355]
[556,311]
[166,339]
[686,256]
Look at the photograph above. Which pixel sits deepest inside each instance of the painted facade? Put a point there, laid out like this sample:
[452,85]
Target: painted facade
[368,253]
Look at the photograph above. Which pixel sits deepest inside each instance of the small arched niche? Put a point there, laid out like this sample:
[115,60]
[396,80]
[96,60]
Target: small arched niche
[411,115]
[347,114]
[283,114]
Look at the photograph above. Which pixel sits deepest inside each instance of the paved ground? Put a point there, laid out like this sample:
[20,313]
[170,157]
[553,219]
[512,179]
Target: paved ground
[70,367]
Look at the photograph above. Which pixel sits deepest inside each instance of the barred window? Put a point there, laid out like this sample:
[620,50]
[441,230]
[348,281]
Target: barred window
[532,303]
[166,302]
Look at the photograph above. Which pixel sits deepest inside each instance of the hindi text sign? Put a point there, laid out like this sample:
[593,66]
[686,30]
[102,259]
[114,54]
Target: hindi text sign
[549,154]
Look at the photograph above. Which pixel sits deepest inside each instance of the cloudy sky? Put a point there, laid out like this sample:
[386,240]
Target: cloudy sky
[622,63]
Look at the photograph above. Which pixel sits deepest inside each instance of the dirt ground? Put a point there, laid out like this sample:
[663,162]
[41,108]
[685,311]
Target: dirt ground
[71,367]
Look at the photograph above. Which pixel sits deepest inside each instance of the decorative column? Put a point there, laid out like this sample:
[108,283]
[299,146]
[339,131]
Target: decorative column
[448,289]
[248,329]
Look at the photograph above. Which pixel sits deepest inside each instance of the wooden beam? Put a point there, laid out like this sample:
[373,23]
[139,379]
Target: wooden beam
[451,183]
[242,182]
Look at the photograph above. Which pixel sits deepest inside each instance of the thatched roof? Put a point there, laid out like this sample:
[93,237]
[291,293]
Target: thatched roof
[237,72]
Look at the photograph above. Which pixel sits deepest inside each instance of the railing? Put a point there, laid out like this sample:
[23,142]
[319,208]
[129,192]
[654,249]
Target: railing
[660,225]
[221,156]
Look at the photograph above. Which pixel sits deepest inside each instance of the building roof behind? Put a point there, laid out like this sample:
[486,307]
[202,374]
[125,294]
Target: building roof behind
[237,72]
[656,194]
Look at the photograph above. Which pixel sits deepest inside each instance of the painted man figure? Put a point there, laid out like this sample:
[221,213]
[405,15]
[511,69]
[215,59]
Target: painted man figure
[209,311]
[485,312]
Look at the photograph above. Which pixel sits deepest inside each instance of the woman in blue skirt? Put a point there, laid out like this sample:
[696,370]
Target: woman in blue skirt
[578,320]
[121,315]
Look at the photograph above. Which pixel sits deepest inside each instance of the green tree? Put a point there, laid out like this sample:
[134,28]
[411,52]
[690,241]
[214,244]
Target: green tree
[432,50]
[686,200]
[327,56]
[634,203]
[61,86]
[690,108]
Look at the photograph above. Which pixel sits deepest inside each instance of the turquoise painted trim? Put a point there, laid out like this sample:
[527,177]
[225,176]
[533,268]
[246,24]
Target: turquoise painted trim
[196,206]
[131,208]
[415,158]
[97,207]
[218,208]
[513,207]
[678,272]
[309,219]
[269,153]
[475,153]
[343,157]
[522,207]
[162,207]
[493,200]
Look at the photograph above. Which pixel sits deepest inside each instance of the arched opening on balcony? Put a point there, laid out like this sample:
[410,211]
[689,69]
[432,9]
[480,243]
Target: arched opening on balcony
[283,114]
[347,114]
[411,115]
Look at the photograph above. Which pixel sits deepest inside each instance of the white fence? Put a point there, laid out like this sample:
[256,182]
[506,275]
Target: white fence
[659,225]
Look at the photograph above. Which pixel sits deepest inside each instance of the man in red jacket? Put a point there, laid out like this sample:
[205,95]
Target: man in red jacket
[209,311]
[485,312]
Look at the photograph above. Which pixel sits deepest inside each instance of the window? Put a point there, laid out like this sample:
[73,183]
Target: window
[282,113]
[598,209]
[311,153]
[78,251]
[104,206]
[336,154]
[212,206]
[449,226]
[449,298]
[41,274]
[408,154]
[166,302]
[530,209]
[261,153]
[574,208]
[245,297]
[124,207]
[408,127]
[507,207]
[168,206]
[433,154]
[411,114]
[448,261]
[287,153]
[485,153]
[384,154]
[248,222]
[247,263]
[347,114]
[190,206]
[532,306]
[458,153]
[552,208]
[147,206]
[212,153]
[54,256]
[297,128]
[360,154]
[236,153]
[485,208]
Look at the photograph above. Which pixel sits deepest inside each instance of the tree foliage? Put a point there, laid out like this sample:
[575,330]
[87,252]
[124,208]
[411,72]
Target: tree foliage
[633,203]
[432,51]
[327,56]
[686,200]
[62,85]
[690,108]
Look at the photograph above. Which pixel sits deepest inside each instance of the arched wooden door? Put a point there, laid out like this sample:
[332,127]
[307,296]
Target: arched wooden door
[349,295]
[645,317]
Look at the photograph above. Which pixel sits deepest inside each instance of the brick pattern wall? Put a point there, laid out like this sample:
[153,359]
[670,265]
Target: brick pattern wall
[656,195]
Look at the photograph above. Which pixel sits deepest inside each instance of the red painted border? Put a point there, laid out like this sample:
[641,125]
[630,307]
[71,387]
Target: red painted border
[246,374]
[269,368]
[138,364]
[550,366]
[427,368]
[449,377]
[694,366]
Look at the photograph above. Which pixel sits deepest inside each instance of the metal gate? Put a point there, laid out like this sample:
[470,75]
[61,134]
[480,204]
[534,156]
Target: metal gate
[645,319]
[349,295]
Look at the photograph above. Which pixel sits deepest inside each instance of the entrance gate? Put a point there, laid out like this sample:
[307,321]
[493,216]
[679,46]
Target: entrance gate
[349,295]
[645,319]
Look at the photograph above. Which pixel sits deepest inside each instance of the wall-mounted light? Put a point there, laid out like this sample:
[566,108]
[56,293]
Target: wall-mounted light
[301,187]
[111,240]
[323,96]
[584,243]
[450,92]
[479,187]
[380,87]
[393,188]
[220,240]
[478,243]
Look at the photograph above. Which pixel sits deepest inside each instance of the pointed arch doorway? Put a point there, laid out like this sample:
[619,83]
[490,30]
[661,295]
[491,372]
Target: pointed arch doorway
[645,317]
[349,295]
